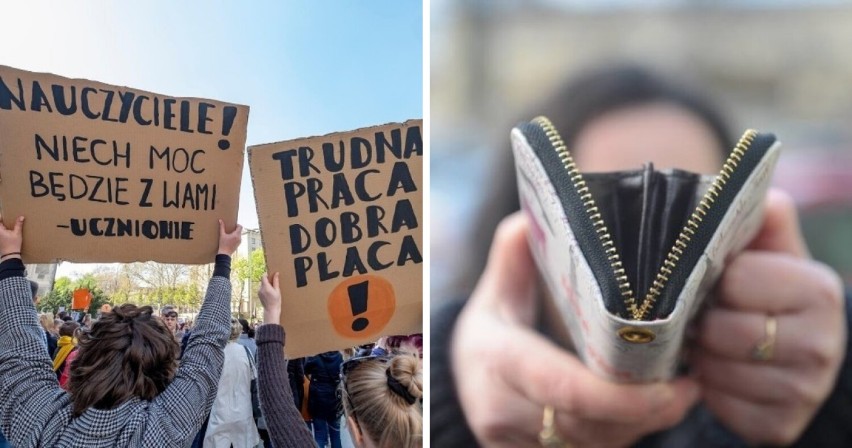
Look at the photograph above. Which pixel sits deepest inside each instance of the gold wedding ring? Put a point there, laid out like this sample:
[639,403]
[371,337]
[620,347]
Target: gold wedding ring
[548,437]
[765,349]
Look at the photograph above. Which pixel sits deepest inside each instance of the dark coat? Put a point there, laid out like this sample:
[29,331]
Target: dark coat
[323,397]
[51,343]
[296,375]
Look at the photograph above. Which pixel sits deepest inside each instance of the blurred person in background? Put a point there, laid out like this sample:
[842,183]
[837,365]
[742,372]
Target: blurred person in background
[323,400]
[231,421]
[67,343]
[246,338]
[493,373]
[170,317]
[51,333]
[65,369]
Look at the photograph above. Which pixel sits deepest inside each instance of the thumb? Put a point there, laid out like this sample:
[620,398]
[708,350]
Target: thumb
[780,229]
[19,225]
[275,281]
[509,283]
[222,227]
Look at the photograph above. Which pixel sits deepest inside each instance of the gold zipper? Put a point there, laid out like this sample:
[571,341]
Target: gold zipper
[640,311]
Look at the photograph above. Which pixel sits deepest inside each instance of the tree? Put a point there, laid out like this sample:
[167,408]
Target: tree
[158,283]
[115,282]
[246,273]
[59,296]
[63,291]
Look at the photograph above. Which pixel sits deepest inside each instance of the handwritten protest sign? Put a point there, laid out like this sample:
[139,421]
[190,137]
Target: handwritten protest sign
[113,174]
[81,299]
[341,221]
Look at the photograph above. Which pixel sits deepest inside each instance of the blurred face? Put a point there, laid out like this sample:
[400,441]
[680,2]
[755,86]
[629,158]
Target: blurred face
[171,321]
[665,134]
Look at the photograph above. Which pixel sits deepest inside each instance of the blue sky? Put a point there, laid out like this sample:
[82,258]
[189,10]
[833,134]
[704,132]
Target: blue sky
[305,68]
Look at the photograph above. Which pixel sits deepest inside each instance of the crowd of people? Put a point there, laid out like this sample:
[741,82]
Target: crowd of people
[134,376]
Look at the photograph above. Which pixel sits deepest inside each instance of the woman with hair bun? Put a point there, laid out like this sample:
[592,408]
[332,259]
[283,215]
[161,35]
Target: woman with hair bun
[381,394]
[126,388]
[382,400]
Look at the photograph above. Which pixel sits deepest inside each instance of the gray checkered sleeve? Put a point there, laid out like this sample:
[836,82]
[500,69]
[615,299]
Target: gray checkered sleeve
[33,408]
[35,412]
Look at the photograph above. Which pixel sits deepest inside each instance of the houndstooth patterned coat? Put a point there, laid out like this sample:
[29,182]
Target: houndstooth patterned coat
[36,412]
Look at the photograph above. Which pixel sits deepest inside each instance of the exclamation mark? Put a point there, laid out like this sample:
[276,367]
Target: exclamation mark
[358,301]
[229,113]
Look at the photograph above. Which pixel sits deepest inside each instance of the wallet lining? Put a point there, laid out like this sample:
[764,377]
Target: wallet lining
[669,248]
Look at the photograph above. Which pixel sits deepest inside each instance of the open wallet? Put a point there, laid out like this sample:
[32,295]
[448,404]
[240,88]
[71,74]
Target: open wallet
[629,257]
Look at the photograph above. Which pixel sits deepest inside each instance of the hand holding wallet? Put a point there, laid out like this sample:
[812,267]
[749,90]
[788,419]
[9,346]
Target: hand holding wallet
[628,257]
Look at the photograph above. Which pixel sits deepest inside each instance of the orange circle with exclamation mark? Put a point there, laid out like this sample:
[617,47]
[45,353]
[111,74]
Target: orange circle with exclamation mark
[361,306]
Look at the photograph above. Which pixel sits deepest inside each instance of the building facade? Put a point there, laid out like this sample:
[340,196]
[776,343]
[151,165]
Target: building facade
[44,275]
[244,300]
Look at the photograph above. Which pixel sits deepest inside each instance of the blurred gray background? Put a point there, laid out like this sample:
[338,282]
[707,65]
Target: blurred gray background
[777,66]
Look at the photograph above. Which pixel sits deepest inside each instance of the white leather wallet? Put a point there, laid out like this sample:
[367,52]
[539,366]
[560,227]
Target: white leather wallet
[629,257]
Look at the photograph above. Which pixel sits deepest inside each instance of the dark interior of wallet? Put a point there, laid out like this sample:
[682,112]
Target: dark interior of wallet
[645,211]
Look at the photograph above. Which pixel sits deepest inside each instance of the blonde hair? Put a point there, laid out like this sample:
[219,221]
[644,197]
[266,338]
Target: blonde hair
[46,321]
[384,396]
[236,330]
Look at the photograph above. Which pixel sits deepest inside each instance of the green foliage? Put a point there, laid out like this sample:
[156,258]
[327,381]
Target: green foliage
[251,268]
[63,291]
[152,284]
[60,296]
[246,272]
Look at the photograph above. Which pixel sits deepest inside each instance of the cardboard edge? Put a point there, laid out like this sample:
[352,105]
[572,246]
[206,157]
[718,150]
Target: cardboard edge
[78,79]
[405,123]
[257,210]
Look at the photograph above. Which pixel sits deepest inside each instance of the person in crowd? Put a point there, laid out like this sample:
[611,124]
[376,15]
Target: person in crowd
[323,400]
[365,350]
[382,396]
[416,340]
[125,388]
[389,344]
[64,371]
[34,289]
[489,388]
[51,332]
[231,421]
[170,316]
[382,399]
[296,377]
[381,348]
[66,344]
[86,321]
[247,337]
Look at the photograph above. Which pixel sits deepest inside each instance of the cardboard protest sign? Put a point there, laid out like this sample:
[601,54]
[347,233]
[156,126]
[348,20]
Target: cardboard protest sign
[81,299]
[341,221]
[113,174]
